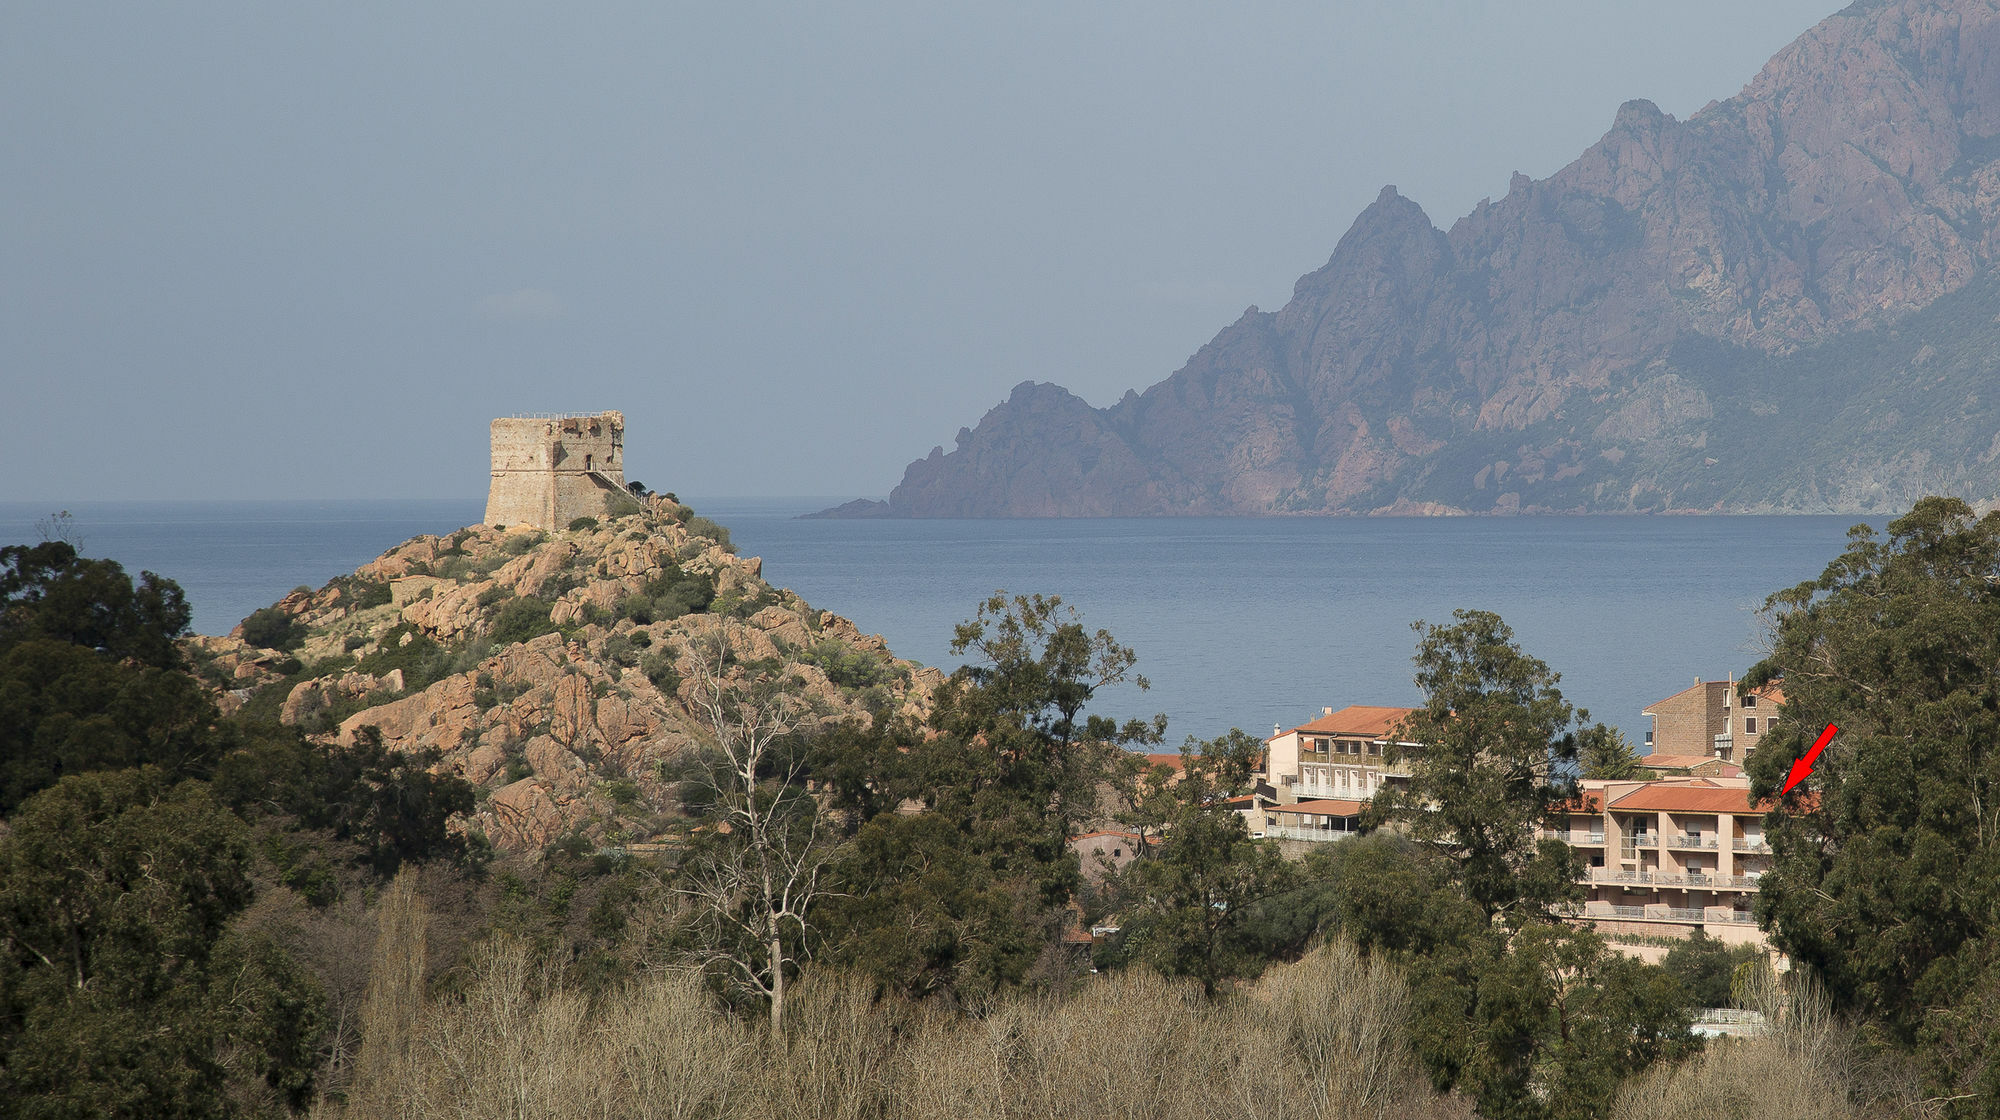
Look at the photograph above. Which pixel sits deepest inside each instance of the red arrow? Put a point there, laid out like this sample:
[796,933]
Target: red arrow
[1803,766]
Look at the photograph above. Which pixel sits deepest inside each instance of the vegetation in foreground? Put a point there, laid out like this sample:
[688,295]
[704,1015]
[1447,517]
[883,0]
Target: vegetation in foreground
[208,917]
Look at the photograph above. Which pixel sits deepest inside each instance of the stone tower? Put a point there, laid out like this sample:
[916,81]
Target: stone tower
[549,470]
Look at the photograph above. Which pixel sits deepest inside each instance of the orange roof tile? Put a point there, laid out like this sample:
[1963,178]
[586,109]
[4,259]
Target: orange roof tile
[1325,807]
[1357,719]
[1690,797]
[1173,760]
[1586,801]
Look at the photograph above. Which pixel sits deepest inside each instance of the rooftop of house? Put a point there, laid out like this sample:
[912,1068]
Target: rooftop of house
[1358,720]
[1771,693]
[1694,795]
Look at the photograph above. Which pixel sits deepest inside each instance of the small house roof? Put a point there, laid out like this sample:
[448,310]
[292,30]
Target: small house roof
[1363,720]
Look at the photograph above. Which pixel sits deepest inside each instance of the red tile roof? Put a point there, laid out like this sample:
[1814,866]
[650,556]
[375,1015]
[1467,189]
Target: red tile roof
[1690,797]
[1586,801]
[1357,719]
[1172,760]
[1326,807]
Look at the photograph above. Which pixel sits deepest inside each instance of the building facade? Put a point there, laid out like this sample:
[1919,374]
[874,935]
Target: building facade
[1339,755]
[1711,720]
[550,470]
[1667,858]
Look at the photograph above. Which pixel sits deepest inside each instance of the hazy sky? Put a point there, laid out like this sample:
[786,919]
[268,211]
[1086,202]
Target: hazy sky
[275,250]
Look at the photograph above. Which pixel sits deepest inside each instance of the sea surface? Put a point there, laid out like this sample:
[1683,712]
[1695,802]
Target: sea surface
[1238,622]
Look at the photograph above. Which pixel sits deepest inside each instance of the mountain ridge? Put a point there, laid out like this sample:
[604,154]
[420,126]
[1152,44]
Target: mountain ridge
[1635,332]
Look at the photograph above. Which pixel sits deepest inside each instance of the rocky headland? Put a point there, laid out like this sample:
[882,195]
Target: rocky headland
[555,672]
[1785,303]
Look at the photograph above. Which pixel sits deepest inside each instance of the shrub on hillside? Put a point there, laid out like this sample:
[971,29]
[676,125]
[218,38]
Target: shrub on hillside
[522,619]
[272,628]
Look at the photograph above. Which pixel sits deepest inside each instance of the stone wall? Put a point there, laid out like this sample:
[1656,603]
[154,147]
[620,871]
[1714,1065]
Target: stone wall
[548,472]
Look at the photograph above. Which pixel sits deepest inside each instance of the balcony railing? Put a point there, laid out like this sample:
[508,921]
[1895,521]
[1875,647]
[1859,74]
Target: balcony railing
[1734,917]
[1753,844]
[1691,842]
[1298,832]
[1747,882]
[1642,841]
[1610,875]
[1676,914]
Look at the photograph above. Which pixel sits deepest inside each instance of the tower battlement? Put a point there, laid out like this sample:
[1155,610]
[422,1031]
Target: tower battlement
[549,470]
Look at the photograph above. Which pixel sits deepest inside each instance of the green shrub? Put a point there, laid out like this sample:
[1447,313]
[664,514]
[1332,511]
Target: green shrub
[494,594]
[849,667]
[354,642]
[520,543]
[659,668]
[582,523]
[669,595]
[272,628]
[703,527]
[521,619]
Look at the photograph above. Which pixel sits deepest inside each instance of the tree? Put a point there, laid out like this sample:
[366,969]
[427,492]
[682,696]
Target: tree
[123,992]
[1192,905]
[1496,754]
[1604,752]
[760,865]
[1011,764]
[48,591]
[1885,876]
[67,709]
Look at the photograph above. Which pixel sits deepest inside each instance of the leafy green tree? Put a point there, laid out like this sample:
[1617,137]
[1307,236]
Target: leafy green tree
[1885,879]
[1543,1023]
[1497,750]
[122,991]
[1604,752]
[1708,968]
[48,591]
[1011,765]
[389,804]
[1191,906]
[65,709]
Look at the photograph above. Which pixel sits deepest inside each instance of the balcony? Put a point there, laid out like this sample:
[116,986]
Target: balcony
[1576,839]
[1608,875]
[1643,840]
[1692,842]
[1732,917]
[1676,914]
[1298,832]
[1750,844]
[1739,882]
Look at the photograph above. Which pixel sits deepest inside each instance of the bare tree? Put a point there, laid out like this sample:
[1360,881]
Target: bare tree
[758,867]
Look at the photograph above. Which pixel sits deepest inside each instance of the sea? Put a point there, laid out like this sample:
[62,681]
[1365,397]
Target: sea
[1252,623]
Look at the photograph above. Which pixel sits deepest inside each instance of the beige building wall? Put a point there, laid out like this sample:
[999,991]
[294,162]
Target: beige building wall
[549,471]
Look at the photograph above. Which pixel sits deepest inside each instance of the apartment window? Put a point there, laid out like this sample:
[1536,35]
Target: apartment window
[1750,701]
[1375,749]
[1749,725]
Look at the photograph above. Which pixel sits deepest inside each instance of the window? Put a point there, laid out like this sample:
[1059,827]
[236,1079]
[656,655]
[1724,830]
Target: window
[1749,725]
[1375,749]
[1750,701]
[1117,852]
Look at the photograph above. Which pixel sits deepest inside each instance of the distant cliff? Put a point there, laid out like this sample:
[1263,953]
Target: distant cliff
[1785,303]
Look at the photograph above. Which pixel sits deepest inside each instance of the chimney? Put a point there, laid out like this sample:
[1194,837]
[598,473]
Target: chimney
[1326,711]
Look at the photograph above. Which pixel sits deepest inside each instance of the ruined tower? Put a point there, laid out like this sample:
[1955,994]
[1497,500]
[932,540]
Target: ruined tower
[550,469]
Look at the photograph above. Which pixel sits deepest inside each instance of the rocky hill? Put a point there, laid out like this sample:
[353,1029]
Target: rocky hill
[553,671]
[1785,303]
